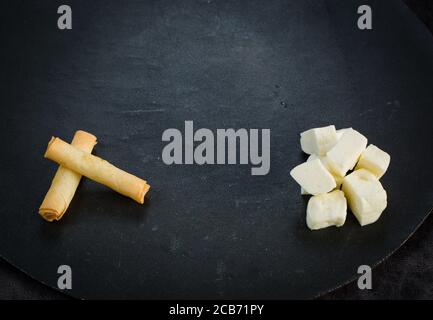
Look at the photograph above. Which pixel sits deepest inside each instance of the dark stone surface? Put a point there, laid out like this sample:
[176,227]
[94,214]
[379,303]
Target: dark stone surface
[14,284]
[423,9]
[406,274]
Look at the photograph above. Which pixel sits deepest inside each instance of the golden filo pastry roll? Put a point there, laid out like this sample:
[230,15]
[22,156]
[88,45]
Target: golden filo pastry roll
[65,182]
[96,169]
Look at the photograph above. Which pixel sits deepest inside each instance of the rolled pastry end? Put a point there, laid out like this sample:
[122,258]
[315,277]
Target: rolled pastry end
[49,145]
[49,214]
[84,141]
[143,192]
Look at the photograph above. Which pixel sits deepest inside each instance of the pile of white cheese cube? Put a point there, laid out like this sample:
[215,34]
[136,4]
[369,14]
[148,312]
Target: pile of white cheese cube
[333,154]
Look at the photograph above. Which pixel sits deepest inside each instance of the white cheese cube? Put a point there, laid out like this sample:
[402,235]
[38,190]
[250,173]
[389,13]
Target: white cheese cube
[318,140]
[374,160]
[326,164]
[324,210]
[313,177]
[338,179]
[340,132]
[365,195]
[345,154]
[311,157]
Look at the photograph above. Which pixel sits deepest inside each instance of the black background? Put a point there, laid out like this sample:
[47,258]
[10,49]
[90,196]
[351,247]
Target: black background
[406,274]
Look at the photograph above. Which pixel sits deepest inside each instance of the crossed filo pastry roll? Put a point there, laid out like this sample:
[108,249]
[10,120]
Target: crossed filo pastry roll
[65,182]
[96,169]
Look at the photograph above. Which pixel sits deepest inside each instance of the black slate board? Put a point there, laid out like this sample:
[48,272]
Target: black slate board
[128,71]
